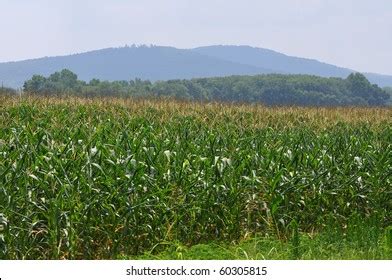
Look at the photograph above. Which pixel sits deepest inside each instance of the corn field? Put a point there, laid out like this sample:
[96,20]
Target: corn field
[95,179]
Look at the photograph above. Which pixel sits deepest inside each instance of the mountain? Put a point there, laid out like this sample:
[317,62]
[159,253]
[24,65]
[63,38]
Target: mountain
[164,63]
[279,62]
[152,63]
[282,63]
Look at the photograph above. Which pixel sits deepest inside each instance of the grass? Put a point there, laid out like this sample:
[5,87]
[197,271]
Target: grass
[112,178]
[269,249]
[360,241]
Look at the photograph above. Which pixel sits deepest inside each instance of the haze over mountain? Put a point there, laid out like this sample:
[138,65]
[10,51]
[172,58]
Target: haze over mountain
[165,63]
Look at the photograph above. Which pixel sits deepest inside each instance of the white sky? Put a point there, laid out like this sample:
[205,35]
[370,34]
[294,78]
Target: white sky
[350,33]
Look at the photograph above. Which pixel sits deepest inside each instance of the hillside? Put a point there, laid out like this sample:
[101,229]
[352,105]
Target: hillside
[155,63]
[165,63]
[279,62]
[282,63]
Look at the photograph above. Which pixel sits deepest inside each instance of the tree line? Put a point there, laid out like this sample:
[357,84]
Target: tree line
[7,91]
[389,91]
[271,89]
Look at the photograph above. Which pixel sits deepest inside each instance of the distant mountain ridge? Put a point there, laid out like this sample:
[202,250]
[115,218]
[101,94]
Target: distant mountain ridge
[165,63]
[273,60]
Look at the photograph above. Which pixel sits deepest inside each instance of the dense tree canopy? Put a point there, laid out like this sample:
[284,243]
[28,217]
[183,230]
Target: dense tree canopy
[272,89]
[64,82]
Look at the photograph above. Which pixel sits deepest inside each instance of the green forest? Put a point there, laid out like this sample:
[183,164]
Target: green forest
[270,89]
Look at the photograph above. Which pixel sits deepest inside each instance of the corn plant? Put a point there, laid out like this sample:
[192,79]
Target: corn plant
[95,179]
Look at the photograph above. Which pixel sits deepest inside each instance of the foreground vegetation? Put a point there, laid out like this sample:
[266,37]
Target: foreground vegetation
[115,178]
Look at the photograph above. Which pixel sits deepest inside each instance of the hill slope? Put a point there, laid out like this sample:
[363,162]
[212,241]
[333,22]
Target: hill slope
[152,63]
[282,63]
[273,60]
[164,63]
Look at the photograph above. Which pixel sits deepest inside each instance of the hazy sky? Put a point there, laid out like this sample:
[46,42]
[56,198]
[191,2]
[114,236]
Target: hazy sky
[351,33]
